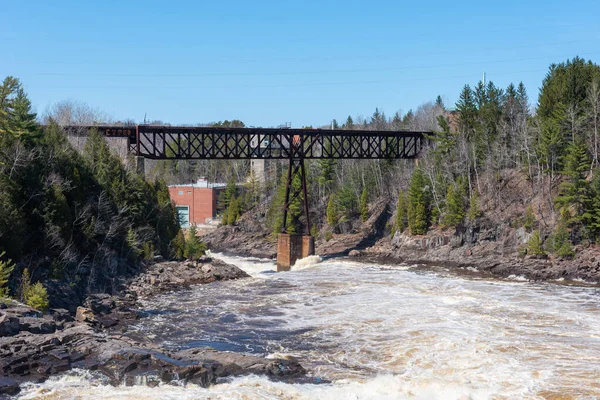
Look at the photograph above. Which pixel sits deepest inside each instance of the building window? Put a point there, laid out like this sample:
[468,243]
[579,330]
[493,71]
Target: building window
[183,216]
[180,192]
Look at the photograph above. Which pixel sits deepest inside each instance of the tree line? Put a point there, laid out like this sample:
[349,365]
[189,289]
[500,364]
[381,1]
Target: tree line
[79,217]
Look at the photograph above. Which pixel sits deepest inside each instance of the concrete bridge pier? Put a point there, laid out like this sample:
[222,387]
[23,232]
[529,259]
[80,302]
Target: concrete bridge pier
[291,248]
[140,165]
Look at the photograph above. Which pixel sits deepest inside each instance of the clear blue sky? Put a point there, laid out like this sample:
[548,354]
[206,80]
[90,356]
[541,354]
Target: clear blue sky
[269,62]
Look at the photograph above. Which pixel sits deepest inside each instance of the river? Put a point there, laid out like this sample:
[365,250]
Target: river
[376,332]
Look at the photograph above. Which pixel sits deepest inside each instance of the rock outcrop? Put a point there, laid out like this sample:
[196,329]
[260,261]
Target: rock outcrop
[34,346]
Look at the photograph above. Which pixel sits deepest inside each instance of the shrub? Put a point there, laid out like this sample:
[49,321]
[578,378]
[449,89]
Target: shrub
[328,236]
[194,247]
[37,297]
[178,245]
[528,219]
[535,245]
[25,284]
[148,252]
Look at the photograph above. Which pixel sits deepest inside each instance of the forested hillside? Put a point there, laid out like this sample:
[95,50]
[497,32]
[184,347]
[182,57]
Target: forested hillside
[496,156]
[75,221]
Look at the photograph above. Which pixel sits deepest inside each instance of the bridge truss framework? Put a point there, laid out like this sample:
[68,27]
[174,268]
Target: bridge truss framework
[295,145]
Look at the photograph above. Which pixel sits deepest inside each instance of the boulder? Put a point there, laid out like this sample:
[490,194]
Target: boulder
[354,253]
[84,315]
[37,325]
[9,386]
[9,326]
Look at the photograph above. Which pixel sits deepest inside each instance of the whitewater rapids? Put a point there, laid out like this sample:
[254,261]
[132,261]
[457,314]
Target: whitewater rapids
[374,332]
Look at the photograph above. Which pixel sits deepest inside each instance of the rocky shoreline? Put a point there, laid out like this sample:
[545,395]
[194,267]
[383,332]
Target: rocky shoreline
[499,257]
[34,346]
[493,249]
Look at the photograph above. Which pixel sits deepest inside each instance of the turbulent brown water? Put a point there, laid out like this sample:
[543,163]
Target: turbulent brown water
[376,332]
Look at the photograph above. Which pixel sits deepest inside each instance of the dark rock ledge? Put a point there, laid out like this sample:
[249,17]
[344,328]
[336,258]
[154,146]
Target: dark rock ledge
[35,346]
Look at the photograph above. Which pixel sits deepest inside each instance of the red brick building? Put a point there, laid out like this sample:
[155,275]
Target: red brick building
[196,203]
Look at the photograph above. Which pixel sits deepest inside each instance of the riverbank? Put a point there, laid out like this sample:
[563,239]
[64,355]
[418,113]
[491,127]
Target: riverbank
[34,347]
[490,248]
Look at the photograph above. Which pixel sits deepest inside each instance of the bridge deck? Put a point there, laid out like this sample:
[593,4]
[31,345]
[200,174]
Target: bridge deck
[207,143]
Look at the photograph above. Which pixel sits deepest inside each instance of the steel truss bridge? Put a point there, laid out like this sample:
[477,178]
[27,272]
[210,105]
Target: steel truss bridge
[295,145]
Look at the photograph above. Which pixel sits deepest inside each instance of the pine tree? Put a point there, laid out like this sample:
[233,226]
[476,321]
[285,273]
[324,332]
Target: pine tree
[474,210]
[455,209]
[25,284]
[37,297]
[364,205]
[347,203]
[6,269]
[576,192]
[234,211]
[349,123]
[133,244]
[332,211]
[179,245]
[401,212]
[23,120]
[326,167]
[8,89]
[418,203]
[560,243]
[535,246]
[194,248]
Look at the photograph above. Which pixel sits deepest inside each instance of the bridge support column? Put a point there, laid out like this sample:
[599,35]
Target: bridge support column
[140,165]
[291,248]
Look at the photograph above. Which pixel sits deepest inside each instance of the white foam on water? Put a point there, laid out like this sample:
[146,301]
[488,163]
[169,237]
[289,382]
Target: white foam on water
[251,265]
[379,333]
[385,387]
[519,278]
[307,262]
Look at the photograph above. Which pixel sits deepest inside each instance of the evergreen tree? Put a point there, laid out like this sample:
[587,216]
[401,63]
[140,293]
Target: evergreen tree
[560,243]
[535,245]
[401,212]
[37,297]
[418,203]
[349,123]
[225,197]
[8,90]
[575,191]
[467,112]
[326,167]
[455,210]
[6,269]
[179,245]
[25,284]
[439,102]
[194,248]
[347,203]
[474,210]
[23,120]
[364,204]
